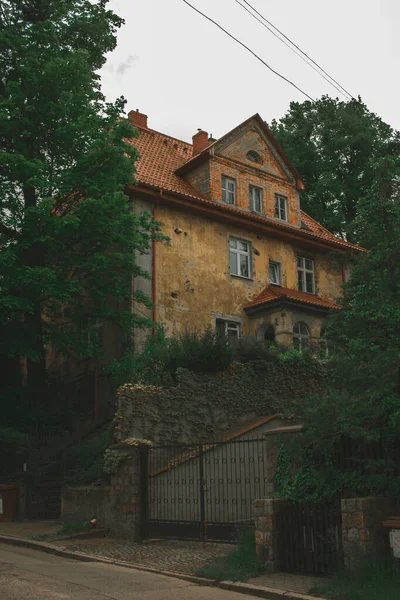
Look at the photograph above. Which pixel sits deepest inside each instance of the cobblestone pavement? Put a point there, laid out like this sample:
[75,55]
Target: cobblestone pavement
[29,529]
[166,555]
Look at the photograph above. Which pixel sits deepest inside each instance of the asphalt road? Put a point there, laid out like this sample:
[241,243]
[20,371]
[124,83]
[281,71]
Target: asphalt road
[31,575]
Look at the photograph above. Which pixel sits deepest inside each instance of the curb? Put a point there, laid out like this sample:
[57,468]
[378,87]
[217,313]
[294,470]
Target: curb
[242,588]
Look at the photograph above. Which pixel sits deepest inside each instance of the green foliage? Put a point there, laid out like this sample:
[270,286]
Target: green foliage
[239,565]
[113,460]
[199,352]
[362,398]
[334,146]
[73,527]
[68,234]
[372,580]
[85,460]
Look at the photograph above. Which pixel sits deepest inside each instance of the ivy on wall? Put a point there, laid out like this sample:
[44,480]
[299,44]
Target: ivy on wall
[202,405]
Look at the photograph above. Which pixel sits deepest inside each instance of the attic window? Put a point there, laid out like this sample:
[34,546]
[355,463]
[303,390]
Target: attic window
[254,156]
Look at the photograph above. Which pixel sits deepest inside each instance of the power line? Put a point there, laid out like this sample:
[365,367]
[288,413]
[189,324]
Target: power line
[248,49]
[297,47]
[292,49]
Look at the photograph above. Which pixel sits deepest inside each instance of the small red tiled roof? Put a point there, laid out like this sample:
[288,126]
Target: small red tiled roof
[161,155]
[273,293]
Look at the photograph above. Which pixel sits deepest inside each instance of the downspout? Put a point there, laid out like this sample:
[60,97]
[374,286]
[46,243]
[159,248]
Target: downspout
[154,270]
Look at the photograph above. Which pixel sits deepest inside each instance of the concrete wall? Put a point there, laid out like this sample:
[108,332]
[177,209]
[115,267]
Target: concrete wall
[118,506]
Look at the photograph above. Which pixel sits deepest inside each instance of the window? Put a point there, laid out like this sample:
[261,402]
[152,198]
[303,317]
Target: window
[275,275]
[239,258]
[301,336]
[281,207]
[255,197]
[305,274]
[229,329]
[228,190]
[269,334]
[91,336]
[254,156]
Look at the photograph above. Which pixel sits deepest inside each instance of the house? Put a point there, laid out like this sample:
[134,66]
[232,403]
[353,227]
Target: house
[243,257]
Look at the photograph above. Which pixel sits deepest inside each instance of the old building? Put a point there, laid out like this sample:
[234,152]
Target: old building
[243,257]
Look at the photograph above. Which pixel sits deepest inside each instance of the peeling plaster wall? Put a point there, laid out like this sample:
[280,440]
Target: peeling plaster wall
[194,286]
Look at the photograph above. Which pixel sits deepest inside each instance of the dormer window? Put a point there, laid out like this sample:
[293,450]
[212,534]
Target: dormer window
[253,156]
[228,190]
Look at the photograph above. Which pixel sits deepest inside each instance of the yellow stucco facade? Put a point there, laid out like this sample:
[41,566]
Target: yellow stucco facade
[192,283]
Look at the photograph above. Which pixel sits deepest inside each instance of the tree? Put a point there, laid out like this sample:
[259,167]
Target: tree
[333,144]
[68,234]
[362,400]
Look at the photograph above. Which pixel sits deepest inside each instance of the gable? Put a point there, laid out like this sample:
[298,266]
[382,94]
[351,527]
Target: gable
[251,138]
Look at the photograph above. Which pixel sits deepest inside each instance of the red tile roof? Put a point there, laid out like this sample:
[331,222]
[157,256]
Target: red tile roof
[161,155]
[273,293]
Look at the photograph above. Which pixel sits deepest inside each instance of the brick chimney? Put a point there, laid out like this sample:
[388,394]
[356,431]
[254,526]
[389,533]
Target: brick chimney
[200,141]
[137,118]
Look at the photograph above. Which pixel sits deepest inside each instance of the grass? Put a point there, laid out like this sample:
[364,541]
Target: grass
[241,564]
[376,580]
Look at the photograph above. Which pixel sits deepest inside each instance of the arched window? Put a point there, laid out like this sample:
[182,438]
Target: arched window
[323,343]
[269,334]
[254,156]
[301,336]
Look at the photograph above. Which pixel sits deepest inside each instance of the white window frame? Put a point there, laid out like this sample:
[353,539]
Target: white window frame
[228,195]
[237,252]
[278,266]
[302,271]
[252,193]
[302,338]
[280,207]
[230,327]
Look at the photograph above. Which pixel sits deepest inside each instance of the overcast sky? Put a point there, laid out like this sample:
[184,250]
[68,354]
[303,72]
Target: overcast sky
[186,74]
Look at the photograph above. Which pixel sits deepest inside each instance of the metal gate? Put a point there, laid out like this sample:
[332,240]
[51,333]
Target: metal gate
[204,491]
[311,538]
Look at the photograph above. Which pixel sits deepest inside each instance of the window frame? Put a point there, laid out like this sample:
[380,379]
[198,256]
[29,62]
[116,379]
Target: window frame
[278,207]
[238,253]
[302,274]
[278,264]
[301,336]
[254,156]
[229,325]
[253,188]
[226,192]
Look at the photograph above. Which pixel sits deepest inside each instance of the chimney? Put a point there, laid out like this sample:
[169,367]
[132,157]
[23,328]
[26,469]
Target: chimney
[137,118]
[200,141]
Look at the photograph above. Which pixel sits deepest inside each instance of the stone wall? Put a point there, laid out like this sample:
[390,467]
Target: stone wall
[266,519]
[362,528]
[203,406]
[118,507]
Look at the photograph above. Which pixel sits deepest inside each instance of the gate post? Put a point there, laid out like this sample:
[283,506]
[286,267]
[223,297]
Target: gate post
[144,491]
[267,531]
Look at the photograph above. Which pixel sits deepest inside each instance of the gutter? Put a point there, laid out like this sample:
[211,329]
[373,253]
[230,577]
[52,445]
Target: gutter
[211,207]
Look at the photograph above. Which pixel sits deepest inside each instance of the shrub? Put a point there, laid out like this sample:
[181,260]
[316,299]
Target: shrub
[85,460]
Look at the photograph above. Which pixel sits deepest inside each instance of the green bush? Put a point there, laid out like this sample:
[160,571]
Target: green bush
[200,352]
[239,565]
[372,580]
[85,460]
